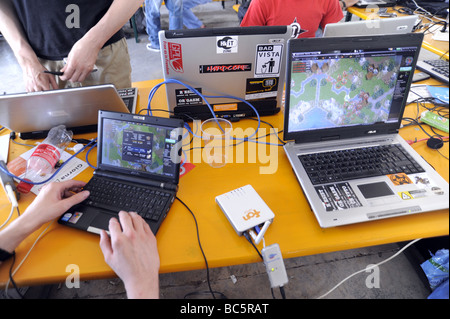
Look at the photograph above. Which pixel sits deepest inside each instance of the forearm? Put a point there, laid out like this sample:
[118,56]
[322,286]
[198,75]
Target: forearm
[117,15]
[12,30]
[16,232]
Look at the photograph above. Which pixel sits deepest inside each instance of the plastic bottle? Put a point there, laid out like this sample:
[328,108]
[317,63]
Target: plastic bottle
[44,158]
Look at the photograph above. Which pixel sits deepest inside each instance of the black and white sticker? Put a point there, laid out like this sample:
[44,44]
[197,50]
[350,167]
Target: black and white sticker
[226,44]
[268,59]
[187,97]
[338,197]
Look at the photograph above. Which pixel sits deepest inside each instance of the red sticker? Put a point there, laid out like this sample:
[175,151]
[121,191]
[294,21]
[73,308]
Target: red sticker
[173,57]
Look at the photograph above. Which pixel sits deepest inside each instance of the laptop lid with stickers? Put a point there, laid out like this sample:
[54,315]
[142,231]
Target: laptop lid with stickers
[248,63]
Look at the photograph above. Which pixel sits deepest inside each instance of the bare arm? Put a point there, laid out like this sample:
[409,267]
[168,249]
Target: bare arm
[84,53]
[53,200]
[32,69]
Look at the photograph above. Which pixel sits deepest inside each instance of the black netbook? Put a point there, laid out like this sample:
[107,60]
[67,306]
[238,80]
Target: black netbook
[138,165]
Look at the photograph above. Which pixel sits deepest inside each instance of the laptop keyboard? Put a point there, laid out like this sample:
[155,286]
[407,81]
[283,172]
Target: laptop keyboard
[337,166]
[149,203]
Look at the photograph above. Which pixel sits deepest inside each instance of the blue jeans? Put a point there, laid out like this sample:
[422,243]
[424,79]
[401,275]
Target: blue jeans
[190,21]
[153,21]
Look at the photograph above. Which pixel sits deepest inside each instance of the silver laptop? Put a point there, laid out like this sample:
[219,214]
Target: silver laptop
[33,114]
[399,25]
[345,99]
[379,3]
[248,63]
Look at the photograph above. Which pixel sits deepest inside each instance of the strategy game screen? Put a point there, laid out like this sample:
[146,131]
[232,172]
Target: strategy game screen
[138,147]
[336,89]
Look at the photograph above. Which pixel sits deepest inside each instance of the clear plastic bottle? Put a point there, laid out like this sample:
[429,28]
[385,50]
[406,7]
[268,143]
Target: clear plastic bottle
[44,158]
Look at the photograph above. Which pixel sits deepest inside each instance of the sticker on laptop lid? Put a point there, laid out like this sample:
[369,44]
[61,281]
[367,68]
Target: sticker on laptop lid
[225,68]
[187,97]
[173,57]
[261,88]
[268,59]
[227,44]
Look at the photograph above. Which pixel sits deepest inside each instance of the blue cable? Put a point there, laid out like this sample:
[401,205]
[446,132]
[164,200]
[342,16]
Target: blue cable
[203,97]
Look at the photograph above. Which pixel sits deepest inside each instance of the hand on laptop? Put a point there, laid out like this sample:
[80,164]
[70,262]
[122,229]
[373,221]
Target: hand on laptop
[53,200]
[132,253]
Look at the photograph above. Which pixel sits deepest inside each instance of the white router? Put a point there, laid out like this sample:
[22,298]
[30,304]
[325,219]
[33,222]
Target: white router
[246,210]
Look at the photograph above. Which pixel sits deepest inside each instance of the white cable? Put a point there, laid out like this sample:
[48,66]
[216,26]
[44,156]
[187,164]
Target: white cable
[9,217]
[26,256]
[371,267]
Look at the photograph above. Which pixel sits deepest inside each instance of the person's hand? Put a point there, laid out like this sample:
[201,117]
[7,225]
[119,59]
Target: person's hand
[34,77]
[133,254]
[54,199]
[80,61]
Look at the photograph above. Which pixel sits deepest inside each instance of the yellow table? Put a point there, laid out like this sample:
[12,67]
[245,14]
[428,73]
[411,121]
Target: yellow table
[294,228]
[438,47]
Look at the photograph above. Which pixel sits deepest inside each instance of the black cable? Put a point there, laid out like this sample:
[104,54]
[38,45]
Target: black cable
[204,257]
[247,236]
[283,294]
[11,276]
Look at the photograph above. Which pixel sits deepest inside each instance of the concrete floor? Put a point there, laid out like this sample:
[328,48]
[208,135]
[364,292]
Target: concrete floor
[309,276]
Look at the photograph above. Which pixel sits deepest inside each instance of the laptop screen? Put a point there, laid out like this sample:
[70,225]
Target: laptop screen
[343,88]
[139,148]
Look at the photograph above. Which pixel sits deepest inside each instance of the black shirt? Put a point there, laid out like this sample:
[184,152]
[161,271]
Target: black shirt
[53,26]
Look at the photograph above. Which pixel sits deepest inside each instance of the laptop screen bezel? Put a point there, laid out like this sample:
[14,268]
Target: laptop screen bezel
[168,123]
[366,43]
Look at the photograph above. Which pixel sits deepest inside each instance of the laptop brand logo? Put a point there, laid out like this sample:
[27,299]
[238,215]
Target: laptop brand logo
[173,57]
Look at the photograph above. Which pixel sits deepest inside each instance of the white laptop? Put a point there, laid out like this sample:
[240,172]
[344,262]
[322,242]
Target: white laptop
[345,99]
[400,25]
[244,62]
[33,114]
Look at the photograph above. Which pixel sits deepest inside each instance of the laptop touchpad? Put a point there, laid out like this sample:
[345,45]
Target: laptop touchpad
[375,190]
[101,221]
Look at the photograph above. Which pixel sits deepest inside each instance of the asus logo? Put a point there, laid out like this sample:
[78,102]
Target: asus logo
[371,132]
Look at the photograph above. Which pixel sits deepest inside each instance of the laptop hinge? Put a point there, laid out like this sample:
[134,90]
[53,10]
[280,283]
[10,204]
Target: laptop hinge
[138,180]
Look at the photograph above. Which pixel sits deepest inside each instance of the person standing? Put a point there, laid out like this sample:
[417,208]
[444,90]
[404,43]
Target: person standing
[153,19]
[305,16]
[70,37]
[190,20]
